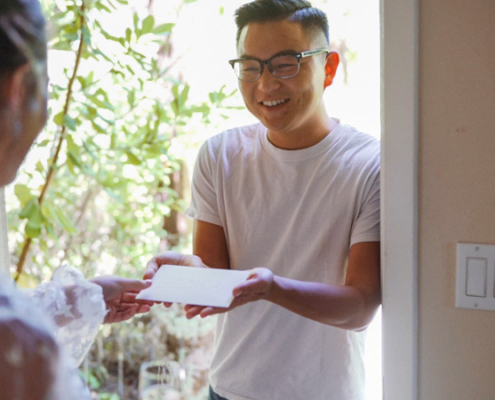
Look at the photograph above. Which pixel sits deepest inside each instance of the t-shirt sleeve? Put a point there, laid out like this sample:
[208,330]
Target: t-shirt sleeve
[366,227]
[204,202]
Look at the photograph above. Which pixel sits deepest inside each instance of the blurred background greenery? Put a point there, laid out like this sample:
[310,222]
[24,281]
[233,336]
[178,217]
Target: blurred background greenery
[106,182]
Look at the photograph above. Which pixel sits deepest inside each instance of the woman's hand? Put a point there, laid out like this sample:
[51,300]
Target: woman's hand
[119,295]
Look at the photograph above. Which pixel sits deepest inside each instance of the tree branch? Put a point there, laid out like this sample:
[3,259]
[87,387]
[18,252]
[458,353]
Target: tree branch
[53,163]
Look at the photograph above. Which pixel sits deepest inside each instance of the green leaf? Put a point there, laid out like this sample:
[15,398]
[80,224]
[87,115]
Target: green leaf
[98,128]
[81,81]
[72,157]
[128,34]
[109,37]
[139,56]
[154,149]
[100,6]
[131,97]
[162,29]
[71,145]
[88,149]
[33,213]
[44,143]
[60,218]
[184,95]
[29,209]
[63,45]
[93,381]
[100,103]
[51,230]
[148,24]
[179,100]
[32,230]
[59,118]
[71,165]
[135,20]
[86,36]
[39,166]
[91,112]
[70,36]
[23,193]
[90,78]
[99,53]
[70,122]
[132,159]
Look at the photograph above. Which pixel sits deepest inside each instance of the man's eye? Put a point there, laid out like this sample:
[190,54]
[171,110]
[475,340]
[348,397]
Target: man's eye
[250,69]
[287,65]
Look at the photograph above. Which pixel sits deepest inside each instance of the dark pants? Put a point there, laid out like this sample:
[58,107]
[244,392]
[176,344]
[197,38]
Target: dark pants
[213,396]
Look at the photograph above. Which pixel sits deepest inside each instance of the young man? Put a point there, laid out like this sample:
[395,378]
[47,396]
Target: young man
[295,198]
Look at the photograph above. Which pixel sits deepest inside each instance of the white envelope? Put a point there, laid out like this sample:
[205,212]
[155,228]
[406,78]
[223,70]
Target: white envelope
[198,286]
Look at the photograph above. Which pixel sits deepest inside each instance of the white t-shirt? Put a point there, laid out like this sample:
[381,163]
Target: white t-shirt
[296,212]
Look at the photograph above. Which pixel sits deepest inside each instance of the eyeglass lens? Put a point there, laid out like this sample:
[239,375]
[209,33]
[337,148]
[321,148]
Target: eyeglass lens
[284,66]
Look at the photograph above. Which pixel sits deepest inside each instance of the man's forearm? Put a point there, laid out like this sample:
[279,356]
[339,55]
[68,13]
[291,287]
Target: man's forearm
[340,306]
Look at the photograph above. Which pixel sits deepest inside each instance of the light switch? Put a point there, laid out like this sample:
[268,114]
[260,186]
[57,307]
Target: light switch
[476,277]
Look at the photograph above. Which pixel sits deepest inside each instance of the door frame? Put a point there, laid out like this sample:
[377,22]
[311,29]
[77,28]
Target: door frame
[399,98]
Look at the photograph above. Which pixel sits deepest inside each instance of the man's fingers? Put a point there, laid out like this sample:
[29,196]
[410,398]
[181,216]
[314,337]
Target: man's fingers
[143,308]
[209,311]
[192,311]
[251,286]
[151,269]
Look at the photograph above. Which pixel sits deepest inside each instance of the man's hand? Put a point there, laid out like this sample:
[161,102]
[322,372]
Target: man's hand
[171,258]
[256,287]
[120,297]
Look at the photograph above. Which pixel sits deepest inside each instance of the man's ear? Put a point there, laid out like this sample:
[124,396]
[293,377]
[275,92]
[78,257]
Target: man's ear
[332,62]
[14,88]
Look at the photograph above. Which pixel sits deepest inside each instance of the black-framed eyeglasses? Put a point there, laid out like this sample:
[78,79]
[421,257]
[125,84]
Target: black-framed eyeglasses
[249,69]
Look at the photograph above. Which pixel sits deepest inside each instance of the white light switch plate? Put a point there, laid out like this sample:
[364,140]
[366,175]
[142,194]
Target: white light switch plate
[475,282]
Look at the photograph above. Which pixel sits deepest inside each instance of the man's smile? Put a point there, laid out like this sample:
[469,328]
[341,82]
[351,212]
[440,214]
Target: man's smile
[273,103]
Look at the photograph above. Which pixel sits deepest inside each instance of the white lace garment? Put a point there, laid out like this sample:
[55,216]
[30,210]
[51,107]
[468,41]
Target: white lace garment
[45,334]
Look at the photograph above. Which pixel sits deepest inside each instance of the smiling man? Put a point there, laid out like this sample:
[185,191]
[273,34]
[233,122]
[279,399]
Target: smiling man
[294,199]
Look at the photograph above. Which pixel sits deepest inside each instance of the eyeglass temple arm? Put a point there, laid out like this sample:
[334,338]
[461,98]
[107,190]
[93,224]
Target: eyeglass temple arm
[313,52]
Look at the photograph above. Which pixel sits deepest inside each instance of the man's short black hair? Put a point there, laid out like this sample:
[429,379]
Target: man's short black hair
[300,11]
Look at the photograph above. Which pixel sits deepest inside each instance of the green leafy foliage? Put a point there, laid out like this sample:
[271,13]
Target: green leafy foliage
[116,109]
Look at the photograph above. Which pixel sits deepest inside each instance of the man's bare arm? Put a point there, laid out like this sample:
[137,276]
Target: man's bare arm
[350,306]
[210,245]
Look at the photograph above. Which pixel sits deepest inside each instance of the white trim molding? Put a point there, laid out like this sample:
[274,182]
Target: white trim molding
[399,96]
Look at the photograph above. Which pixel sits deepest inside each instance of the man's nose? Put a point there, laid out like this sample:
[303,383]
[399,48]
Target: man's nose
[267,82]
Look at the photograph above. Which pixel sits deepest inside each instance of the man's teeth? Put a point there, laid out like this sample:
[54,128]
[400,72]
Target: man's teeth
[272,103]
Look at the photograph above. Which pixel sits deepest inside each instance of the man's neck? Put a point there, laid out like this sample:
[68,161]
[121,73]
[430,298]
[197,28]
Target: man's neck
[302,139]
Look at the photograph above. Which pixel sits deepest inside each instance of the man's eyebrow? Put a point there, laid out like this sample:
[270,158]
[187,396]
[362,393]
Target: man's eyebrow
[280,53]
